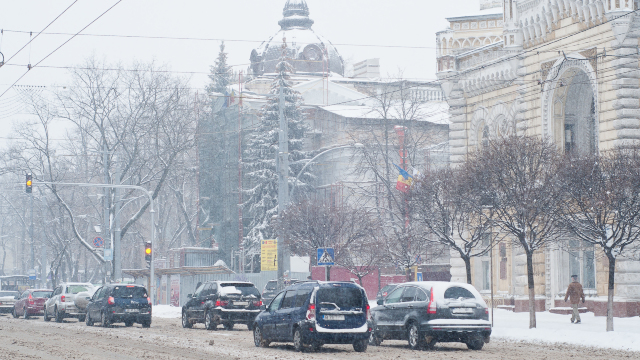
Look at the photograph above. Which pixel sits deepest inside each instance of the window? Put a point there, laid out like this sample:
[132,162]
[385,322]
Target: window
[301,297]
[134,292]
[421,295]
[287,302]
[409,294]
[198,291]
[395,296]
[98,295]
[343,297]
[74,289]
[244,289]
[275,304]
[486,275]
[42,294]
[455,293]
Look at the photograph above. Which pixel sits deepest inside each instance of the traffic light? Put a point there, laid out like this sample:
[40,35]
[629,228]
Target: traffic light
[147,251]
[28,184]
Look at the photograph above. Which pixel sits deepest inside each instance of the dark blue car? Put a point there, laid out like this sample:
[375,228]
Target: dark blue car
[314,313]
[119,303]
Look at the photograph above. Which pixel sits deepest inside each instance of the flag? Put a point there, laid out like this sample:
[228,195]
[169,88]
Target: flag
[404,180]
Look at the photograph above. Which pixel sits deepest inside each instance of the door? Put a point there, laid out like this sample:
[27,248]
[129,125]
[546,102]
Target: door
[193,306]
[385,317]
[404,308]
[96,304]
[269,322]
[20,303]
[284,322]
[52,301]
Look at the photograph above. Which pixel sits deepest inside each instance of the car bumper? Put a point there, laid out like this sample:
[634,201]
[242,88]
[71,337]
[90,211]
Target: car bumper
[124,317]
[6,309]
[314,333]
[240,315]
[456,333]
[35,310]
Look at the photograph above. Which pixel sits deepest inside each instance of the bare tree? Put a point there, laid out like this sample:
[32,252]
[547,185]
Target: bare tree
[518,177]
[449,206]
[603,205]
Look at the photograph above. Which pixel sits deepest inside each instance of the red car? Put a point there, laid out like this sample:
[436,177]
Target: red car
[31,302]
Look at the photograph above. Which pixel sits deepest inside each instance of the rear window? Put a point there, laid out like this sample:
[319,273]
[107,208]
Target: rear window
[343,297]
[388,288]
[9,293]
[129,292]
[458,293]
[41,294]
[245,289]
[272,285]
[74,289]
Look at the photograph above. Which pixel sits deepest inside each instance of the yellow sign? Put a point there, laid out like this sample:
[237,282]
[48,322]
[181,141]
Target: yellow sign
[269,255]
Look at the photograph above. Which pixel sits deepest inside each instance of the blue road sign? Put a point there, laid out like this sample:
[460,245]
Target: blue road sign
[326,257]
[97,241]
[419,276]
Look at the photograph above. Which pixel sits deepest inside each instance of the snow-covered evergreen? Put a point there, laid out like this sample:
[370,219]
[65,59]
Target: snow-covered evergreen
[221,74]
[259,157]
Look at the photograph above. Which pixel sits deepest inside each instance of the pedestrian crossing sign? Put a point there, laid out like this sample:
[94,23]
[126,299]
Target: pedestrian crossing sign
[326,257]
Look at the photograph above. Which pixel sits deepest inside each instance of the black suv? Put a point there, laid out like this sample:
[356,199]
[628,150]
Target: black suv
[428,312]
[222,302]
[119,303]
[314,313]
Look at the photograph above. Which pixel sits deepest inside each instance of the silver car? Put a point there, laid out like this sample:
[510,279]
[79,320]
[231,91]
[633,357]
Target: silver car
[62,304]
[7,299]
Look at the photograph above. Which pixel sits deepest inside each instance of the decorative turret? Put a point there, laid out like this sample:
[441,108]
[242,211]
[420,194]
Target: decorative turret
[296,15]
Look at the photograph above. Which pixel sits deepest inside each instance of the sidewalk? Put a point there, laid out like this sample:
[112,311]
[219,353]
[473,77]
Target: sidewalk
[553,328]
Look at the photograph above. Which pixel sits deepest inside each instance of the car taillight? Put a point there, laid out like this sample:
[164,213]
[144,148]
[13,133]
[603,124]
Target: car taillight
[257,303]
[30,300]
[432,308]
[111,301]
[486,311]
[368,312]
[61,298]
[311,312]
[221,303]
[149,301]
[384,294]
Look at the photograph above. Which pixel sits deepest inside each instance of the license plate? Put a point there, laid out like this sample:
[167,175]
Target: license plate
[131,310]
[333,317]
[463,311]
[241,303]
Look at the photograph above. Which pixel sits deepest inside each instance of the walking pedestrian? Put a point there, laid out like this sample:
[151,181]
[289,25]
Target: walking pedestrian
[574,294]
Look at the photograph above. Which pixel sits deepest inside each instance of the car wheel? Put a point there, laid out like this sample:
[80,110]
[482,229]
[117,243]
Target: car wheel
[360,345]
[185,321]
[88,320]
[298,343]
[81,318]
[209,321]
[128,323]
[146,324]
[14,313]
[57,315]
[475,344]
[46,315]
[258,339]
[104,321]
[374,339]
[228,325]
[413,335]
[25,314]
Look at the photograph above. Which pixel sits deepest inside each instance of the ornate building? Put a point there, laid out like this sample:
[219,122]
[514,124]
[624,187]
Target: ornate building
[563,69]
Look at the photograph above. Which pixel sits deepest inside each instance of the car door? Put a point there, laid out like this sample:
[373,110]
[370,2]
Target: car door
[385,315]
[50,304]
[19,304]
[404,308]
[269,320]
[284,322]
[193,306]
[94,305]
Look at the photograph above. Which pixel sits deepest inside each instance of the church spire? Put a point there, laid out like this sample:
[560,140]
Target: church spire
[296,15]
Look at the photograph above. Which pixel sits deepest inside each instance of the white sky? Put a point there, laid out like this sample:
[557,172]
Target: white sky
[381,23]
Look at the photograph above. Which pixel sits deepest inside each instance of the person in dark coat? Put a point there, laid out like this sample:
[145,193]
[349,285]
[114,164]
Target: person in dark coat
[574,294]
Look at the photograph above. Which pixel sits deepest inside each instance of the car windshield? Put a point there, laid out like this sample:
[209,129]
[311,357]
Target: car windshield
[244,289]
[272,285]
[129,292]
[41,294]
[74,289]
[342,297]
[8,293]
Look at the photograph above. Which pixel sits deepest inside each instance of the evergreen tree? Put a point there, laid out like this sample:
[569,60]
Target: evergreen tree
[221,73]
[260,152]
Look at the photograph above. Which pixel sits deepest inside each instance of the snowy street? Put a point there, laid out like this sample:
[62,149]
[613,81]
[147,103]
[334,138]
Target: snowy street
[166,339]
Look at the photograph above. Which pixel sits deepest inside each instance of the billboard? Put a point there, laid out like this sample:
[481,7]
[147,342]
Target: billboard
[269,255]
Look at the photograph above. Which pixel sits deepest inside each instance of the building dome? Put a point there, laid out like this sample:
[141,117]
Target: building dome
[309,52]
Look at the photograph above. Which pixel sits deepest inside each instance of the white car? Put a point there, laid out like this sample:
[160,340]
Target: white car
[62,304]
[7,299]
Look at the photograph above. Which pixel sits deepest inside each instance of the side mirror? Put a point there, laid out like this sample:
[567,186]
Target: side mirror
[189,296]
[263,307]
[380,302]
[17,297]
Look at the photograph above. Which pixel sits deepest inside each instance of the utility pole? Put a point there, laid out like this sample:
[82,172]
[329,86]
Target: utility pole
[105,228]
[117,252]
[282,163]
[43,246]
[33,253]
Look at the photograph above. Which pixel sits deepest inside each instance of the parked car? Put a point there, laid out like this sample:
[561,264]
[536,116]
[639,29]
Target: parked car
[119,303]
[385,291]
[7,300]
[82,298]
[222,302]
[31,303]
[62,305]
[270,290]
[425,313]
[314,313]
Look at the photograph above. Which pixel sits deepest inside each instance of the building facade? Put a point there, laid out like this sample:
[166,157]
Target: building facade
[566,70]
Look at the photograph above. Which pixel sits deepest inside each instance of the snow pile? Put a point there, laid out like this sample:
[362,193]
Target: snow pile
[167,312]
[554,328]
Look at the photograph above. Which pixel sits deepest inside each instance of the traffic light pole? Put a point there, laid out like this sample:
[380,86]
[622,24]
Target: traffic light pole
[152,211]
